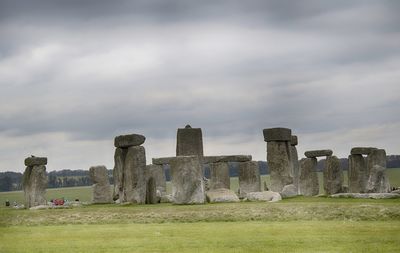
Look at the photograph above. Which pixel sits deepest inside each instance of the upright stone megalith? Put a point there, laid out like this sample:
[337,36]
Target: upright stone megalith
[101,186]
[219,176]
[34,181]
[378,181]
[279,157]
[333,176]
[189,141]
[156,183]
[357,174]
[130,169]
[249,178]
[308,185]
[295,162]
[187,180]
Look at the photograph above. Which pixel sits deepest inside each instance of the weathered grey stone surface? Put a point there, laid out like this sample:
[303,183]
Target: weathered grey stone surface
[130,140]
[219,176]
[249,178]
[34,185]
[35,161]
[289,190]
[269,196]
[157,172]
[118,172]
[227,158]
[318,153]
[162,160]
[134,186]
[189,141]
[378,181]
[101,186]
[295,166]
[187,180]
[376,157]
[308,185]
[366,195]
[221,196]
[294,140]
[279,164]
[151,191]
[333,176]
[362,150]
[277,134]
[357,174]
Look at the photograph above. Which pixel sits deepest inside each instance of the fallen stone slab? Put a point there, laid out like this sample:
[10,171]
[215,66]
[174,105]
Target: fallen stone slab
[288,191]
[221,196]
[130,140]
[366,195]
[227,158]
[269,196]
[318,153]
[35,161]
[362,150]
[277,134]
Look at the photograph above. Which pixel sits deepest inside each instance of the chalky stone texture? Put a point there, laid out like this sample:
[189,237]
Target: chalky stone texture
[376,157]
[221,196]
[333,175]
[289,190]
[189,141]
[130,140]
[277,134]
[279,164]
[378,181]
[151,191]
[101,185]
[318,153]
[219,175]
[362,150]
[118,172]
[134,189]
[308,185]
[34,185]
[34,161]
[249,178]
[295,166]
[357,174]
[157,172]
[269,196]
[162,160]
[187,180]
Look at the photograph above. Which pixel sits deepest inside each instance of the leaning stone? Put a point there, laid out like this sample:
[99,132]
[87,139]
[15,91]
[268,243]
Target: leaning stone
[308,185]
[288,191]
[221,196]
[277,134]
[318,153]
[294,140]
[249,178]
[279,164]
[269,196]
[35,161]
[357,174]
[219,175]
[333,176]
[130,140]
[135,176]
[362,150]
[227,158]
[366,195]
[189,141]
[378,181]
[101,185]
[187,180]
[34,185]
[118,172]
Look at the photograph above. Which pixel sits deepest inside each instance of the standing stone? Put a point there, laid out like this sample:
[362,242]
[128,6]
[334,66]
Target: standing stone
[189,141]
[249,178]
[279,157]
[376,157]
[333,176]
[357,174]
[156,183]
[151,191]
[118,172]
[34,185]
[134,183]
[101,185]
[309,185]
[295,162]
[219,175]
[378,181]
[187,180]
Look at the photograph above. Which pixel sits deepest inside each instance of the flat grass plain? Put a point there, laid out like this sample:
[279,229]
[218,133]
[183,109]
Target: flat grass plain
[300,224]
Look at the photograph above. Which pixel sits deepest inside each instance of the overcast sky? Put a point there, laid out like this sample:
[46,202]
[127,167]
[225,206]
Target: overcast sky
[74,74]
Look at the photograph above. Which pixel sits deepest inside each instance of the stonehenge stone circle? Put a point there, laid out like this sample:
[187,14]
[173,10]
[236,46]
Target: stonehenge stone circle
[308,185]
[249,178]
[130,140]
[362,150]
[333,176]
[189,141]
[187,180]
[295,162]
[101,186]
[221,196]
[357,174]
[318,153]
[34,182]
[219,175]
[279,159]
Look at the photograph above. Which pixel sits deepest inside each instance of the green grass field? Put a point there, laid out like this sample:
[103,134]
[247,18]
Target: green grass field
[300,224]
